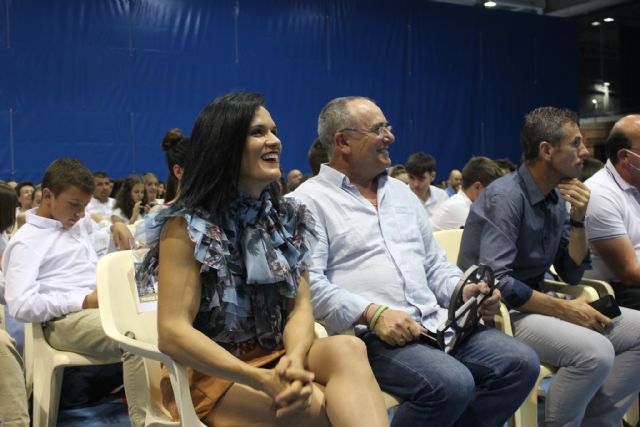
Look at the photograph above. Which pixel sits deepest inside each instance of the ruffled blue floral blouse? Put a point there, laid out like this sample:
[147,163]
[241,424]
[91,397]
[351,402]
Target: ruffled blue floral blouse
[250,266]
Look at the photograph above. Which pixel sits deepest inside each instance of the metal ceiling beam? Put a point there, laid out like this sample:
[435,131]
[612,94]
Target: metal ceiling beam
[562,9]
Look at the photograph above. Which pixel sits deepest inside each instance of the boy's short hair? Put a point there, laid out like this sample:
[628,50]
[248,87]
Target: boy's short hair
[66,172]
[480,169]
[419,163]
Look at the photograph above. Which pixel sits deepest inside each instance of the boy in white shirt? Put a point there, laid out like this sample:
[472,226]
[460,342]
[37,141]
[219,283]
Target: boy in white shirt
[50,271]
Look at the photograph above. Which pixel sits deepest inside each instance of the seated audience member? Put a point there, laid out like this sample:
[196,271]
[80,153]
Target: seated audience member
[317,155]
[454,182]
[12,183]
[101,206]
[151,189]
[400,173]
[613,214]
[376,263]
[174,145]
[590,167]
[50,272]
[477,174]
[519,226]
[130,206]
[37,196]
[233,287]
[506,165]
[162,188]
[294,178]
[24,190]
[421,168]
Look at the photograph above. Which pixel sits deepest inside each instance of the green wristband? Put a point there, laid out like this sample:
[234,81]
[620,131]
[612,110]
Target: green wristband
[376,316]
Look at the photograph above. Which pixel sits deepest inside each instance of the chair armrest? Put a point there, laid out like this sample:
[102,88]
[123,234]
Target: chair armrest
[601,286]
[586,292]
[502,320]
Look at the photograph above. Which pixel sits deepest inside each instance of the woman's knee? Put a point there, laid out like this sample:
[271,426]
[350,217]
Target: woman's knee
[345,347]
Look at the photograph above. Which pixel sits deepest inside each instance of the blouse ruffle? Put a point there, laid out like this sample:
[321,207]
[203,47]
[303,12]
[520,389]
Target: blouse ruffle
[250,266]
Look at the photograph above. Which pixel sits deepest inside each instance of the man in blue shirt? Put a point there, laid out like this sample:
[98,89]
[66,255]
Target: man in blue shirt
[376,266]
[519,226]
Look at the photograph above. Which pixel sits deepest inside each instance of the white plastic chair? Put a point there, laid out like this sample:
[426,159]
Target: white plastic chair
[46,365]
[120,317]
[449,240]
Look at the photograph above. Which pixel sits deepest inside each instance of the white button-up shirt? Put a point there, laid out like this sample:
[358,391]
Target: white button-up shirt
[49,270]
[363,255]
[452,213]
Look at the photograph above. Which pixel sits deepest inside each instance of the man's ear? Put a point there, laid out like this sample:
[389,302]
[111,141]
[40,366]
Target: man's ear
[47,194]
[433,176]
[544,150]
[341,141]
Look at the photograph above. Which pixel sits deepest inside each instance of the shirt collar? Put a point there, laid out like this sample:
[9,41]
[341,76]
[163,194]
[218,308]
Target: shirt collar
[337,178]
[40,221]
[620,182]
[533,191]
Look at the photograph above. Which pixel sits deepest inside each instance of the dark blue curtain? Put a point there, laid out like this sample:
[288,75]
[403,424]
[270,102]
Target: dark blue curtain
[103,80]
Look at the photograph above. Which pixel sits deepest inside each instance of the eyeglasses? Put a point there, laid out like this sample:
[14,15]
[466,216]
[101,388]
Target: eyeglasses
[631,152]
[635,154]
[380,130]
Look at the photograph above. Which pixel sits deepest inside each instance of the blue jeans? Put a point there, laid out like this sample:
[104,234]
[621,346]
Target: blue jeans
[482,383]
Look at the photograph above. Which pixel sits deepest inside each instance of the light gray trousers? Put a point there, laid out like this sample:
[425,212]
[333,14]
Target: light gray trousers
[599,373]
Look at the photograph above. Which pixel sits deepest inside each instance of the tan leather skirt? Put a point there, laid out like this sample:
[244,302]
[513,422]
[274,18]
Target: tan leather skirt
[207,390]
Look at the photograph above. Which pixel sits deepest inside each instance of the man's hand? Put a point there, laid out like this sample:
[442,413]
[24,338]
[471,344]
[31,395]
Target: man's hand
[577,194]
[91,300]
[121,236]
[395,327]
[490,305]
[578,311]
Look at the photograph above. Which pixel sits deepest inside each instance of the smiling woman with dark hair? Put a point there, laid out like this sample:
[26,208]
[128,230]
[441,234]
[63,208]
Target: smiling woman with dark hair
[232,262]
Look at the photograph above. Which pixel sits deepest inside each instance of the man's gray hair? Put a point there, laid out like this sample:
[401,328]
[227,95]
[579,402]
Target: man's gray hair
[334,117]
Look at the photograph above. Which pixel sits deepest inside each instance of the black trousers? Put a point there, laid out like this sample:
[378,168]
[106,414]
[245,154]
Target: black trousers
[627,295]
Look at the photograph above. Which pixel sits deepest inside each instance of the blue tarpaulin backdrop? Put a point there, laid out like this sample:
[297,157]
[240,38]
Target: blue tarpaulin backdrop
[103,80]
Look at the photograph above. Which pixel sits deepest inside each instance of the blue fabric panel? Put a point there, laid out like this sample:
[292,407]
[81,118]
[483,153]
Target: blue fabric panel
[100,139]
[46,24]
[5,149]
[105,79]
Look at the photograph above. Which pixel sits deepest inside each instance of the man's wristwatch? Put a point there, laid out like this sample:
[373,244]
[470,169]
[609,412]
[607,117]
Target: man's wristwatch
[576,224]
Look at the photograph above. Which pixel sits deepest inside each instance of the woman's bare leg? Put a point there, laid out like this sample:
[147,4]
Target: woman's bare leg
[353,397]
[244,406]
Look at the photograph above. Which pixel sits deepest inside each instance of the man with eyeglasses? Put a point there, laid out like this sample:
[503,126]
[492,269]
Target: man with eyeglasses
[613,214]
[377,267]
[520,227]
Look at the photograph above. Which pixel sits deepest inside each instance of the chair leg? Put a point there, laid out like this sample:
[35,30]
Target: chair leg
[47,384]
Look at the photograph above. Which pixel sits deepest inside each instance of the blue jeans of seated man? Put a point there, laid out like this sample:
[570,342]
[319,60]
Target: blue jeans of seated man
[482,383]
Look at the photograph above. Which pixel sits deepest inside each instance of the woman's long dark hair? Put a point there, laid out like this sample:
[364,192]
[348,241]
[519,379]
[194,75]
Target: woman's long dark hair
[8,204]
[124,201]
[175,146]
[210,181]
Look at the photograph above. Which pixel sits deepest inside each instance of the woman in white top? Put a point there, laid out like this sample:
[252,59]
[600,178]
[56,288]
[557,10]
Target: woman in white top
[129,205]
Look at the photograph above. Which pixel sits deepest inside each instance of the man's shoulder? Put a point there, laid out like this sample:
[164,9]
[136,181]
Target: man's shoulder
[600,181]
[438,192]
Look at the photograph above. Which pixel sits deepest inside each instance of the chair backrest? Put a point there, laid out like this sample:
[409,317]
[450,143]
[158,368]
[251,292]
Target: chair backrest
[450,240]
[137,332]
[116,293]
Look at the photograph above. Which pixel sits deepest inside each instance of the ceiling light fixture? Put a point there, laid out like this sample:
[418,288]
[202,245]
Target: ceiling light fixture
[595,23]
[608,19]
[490,4]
